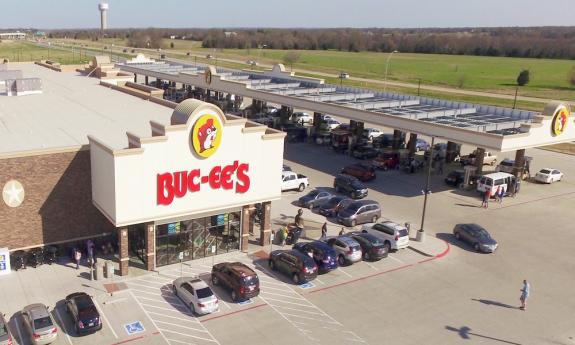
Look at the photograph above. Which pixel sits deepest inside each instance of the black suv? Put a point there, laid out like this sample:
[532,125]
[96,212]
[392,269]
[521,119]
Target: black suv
[349,185]
[83,312]
[238,278]
[300,267]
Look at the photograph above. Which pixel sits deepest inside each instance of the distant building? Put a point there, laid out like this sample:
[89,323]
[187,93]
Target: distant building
[230,33]
[12,36]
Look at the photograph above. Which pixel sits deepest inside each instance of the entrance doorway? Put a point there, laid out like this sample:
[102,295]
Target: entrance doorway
[137,245]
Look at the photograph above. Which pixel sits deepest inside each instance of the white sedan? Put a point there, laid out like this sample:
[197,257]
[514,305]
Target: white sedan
[332,124]
[548,175]
[196,294]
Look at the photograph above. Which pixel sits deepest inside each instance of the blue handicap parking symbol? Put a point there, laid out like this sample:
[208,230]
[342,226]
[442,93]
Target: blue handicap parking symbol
[134,327]
[248,301]
[307,286]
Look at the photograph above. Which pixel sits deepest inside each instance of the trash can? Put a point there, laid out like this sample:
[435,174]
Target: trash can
[96,273]
[109,269]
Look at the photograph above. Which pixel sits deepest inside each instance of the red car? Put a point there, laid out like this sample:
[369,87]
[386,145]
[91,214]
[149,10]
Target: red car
[363,172]
[386,161]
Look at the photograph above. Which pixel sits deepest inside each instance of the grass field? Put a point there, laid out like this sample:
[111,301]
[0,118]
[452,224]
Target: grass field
[17,51]
[549,78]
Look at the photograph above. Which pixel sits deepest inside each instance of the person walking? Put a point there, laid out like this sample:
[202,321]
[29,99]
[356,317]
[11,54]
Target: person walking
[77,257]
[283,235]
[524,294]
[500,194]
[497,191]
[486,195]
[342,231]
[323,231]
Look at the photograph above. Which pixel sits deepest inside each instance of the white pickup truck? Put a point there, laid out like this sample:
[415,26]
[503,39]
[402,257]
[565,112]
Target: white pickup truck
[291,180]
[488,158]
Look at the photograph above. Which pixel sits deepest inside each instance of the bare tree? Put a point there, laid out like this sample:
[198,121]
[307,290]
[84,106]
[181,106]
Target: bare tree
[291,58]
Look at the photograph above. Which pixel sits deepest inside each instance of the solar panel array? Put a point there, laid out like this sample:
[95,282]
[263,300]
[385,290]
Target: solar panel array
[456,114]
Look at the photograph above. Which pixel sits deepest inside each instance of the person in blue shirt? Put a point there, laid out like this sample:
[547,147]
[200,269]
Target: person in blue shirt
[524,294]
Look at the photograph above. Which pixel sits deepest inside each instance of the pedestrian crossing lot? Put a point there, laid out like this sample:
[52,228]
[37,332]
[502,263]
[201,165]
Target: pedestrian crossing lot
[294,312]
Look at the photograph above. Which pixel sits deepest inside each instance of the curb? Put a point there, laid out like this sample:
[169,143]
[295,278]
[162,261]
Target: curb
[440,255]
[420,252]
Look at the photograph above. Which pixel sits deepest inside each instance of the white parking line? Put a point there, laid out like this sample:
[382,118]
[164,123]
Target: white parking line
[105,318]
[275,288]
[344,272]
[312,318]
[192,320]
[140,281]
[63,326]
[319,281]
[163,295]
[281,301]
[299,310]
[288,320]
[370,265]
[286,296]
[189,335]
[164,302]
[176,325]
[147,315]
[179,341]
[168,309]
[395,259]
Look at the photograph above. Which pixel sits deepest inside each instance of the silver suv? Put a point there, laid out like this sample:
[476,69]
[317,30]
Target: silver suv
[347,249]
[360,212]
[40,325]
[393,235]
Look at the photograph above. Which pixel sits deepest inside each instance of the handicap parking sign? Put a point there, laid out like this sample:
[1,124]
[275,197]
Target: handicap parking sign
[307,286]
[248,301]
[134,327]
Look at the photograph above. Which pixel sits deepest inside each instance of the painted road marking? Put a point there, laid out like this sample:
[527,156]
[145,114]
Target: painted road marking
[101,311]
[63,325]
[134,327]
[307,285]
[344,272]
[395,259]
[249,301]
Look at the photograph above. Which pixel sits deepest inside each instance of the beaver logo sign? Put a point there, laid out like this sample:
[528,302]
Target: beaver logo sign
[560,119]
[206,135]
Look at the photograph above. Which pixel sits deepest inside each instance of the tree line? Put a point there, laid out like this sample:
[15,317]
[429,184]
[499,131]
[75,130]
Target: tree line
[529,42]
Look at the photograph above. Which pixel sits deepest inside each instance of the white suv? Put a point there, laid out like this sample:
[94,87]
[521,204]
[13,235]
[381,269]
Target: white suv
[393,235]
[302,118]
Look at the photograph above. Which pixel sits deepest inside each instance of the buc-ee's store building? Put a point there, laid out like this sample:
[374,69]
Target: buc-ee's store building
[186,189]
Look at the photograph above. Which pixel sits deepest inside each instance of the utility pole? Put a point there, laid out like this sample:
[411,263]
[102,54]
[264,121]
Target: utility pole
[515,98]
[421,232]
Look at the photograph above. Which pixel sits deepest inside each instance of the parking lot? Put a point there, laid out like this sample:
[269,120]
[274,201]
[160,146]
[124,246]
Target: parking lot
[406,298]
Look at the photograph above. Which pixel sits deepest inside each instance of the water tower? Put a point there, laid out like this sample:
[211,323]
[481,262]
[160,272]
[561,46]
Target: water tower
[103,7]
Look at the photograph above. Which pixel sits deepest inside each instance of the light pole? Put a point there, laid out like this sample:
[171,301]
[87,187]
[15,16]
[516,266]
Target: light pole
[421,232]
[261,46]
[386,68]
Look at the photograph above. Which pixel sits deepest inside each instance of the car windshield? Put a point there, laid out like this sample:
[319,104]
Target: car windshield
[42,322]
[481,233]
[313,193]
[403,232]
[357,185]
[83,303]
[250,280]
[204,293]
[545,171]
[352,208]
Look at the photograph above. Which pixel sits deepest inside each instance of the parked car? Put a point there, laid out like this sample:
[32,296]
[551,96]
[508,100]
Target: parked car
[326,117]
[303,118]
[506,166]
[315,198]
[239,279]
[386,140]
[548,175]
[421,145]
[364,152]
[344,127]
[5,335]
[262,119]
[371,133]
[349,185]
[83,312]
[347,249]
[493,181]
[372,247]
[364,172]
[475,235]
[324,256]
[334,205]
[386,161]
[455,178]
[291,180]
[488,158]
[360,212]
[298,266]
[196,294]
[332,124]
[393,235]
[40,324]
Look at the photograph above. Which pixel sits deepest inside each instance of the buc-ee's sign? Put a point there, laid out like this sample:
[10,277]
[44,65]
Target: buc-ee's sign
[205,138]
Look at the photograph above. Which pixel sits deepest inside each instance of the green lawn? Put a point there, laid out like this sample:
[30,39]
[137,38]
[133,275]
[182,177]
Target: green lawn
[24,51]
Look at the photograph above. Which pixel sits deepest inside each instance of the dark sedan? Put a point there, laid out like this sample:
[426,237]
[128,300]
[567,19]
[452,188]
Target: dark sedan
[332,207]
[86,317]
[365,152]
[363,172]
[372,247]
[315,198]
[455,178]
[477,236]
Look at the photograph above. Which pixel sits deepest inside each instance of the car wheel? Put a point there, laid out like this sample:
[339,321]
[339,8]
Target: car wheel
[374,219]
[295,278]
[301,187]
[341,260]
[457,236]
[234,296]
[272,265]
[215,280]
[387,246]
[192,309]
[353,222]
[476,247]
[366,256]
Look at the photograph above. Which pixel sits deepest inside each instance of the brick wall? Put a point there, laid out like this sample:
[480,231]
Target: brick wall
[58,202]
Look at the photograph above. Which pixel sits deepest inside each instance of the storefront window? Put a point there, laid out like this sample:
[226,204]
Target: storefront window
[197,238]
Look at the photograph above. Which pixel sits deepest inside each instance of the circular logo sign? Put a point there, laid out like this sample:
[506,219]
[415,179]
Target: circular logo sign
[560,120]
[206,135]
[13,193]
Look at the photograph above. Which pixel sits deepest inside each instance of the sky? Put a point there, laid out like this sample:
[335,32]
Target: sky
[53,14]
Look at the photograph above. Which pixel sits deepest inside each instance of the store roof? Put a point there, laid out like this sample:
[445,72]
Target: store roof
[70,108]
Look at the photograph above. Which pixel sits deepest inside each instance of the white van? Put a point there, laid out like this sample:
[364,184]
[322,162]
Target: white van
[493,181]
